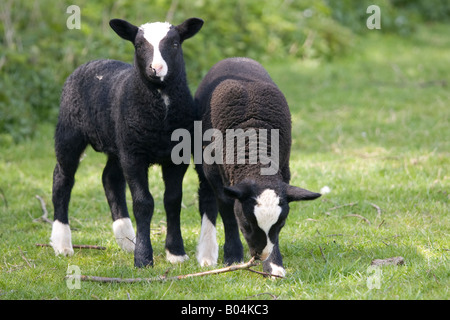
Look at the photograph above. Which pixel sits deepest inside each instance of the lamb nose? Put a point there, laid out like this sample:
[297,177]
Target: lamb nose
[157,68]
[152,71]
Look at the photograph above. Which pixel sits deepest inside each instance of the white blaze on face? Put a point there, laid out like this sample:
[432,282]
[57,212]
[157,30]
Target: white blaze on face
[267,212]
[154,33]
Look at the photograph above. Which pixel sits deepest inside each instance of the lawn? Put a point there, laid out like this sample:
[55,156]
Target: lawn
[372,126]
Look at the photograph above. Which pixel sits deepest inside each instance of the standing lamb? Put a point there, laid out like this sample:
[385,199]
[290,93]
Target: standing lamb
[238,93]
[128,112]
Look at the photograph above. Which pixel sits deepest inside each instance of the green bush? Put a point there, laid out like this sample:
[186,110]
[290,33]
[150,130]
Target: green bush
[430,10]
[353,14]
[38,51]
[269,31]
[398,16]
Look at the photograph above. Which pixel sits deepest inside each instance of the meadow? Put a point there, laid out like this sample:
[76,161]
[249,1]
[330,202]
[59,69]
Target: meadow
[373,126]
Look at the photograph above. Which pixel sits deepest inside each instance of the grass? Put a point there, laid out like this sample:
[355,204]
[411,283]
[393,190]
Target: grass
[373,127]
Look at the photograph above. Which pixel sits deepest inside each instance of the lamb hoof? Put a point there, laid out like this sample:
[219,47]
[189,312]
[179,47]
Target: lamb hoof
[61,239]
[207,261]
[124,233]
[176,258]
[207,249]
[126,245]
[142,262]
[276,270]
[65,251]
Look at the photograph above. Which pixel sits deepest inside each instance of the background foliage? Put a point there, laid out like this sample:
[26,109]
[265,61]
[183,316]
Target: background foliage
[38,51]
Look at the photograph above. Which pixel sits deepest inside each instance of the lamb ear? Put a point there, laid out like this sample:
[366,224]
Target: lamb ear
[124,29]
[298,194]
[239,191]
[189,28]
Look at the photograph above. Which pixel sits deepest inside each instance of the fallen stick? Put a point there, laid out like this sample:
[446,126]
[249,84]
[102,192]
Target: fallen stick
[44,211]
[264,274]
[24,258]
[351,204]
[376,208]
[244,266]
[75,246]
[323,256]
[359,216]
[393,261]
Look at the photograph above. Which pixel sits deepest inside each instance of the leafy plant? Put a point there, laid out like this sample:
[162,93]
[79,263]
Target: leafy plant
[38,51]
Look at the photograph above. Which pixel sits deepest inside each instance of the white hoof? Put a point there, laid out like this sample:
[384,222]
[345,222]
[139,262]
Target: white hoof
[207,249]
[124,233]
[277,270]
[176,259]
[207,261]
[61,239]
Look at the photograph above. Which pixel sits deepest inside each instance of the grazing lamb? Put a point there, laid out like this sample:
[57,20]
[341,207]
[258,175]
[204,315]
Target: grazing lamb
[238,93]
[128,112]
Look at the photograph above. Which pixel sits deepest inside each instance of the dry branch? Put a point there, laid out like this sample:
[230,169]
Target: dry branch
[359,216]
[323,256]
[24,258]
[377,208]
[393,261]
[75,246]
[351,204]
[44,210]
[244,266]
[265,274]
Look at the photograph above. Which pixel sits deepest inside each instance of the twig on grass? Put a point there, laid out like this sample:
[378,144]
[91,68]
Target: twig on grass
[75,246]
[265,274]
[377,208]
[166,273]
[359,216]
[323,256]
[351,204]
[311,252]
[389,261]
[244,266]
[44,210]
[25,258]
[434,276]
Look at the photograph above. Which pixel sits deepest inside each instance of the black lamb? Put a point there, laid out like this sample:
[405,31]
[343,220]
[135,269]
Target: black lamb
[128,112]
[238,97]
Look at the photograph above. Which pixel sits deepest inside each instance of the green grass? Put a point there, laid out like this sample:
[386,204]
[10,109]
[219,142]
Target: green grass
[373,126]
